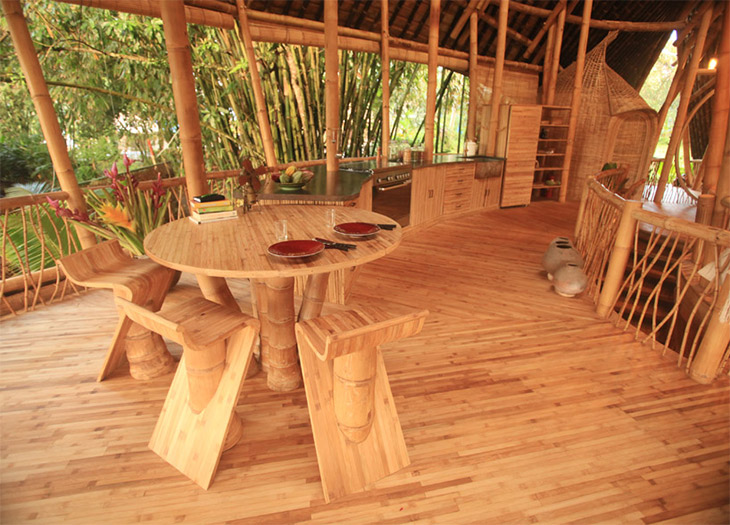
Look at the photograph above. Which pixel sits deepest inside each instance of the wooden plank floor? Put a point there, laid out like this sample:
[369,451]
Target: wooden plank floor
[517,406]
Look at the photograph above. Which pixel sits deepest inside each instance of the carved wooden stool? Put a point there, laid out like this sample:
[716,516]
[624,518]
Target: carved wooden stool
[198,420]
[355,425]
[141,281]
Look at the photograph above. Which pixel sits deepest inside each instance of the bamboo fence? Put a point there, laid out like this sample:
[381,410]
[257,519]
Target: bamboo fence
[647,272]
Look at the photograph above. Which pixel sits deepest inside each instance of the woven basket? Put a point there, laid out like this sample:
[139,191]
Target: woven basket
[614,123]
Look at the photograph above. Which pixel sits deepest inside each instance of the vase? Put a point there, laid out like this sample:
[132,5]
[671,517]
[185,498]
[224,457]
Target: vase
[569,280]
[559,254]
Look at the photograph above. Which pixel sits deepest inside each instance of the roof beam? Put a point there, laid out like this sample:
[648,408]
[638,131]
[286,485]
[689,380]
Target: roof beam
[193,15]
[608,25]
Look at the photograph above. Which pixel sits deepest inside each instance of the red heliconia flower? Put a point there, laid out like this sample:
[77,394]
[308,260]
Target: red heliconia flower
[127,161]
[61,211]
[157,191]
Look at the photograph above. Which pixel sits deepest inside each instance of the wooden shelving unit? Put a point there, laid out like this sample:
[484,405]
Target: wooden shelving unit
[550,155]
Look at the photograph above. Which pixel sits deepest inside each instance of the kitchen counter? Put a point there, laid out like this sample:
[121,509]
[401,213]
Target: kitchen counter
[350,178]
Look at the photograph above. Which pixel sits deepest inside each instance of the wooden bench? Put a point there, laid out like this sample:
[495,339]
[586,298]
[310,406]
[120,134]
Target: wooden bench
[140,281]
[198,420]
[356,430]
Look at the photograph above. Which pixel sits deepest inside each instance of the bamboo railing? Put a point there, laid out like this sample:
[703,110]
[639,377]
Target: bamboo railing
[658,277]
[34,238]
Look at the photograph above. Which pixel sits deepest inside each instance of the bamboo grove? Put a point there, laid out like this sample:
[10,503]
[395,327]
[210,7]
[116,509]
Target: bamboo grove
[110,82]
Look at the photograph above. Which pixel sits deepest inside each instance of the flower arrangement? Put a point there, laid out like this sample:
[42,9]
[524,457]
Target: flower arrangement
[122,211]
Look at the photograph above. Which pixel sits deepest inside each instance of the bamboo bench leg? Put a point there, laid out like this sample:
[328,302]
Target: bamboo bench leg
[346,466]
[198,420]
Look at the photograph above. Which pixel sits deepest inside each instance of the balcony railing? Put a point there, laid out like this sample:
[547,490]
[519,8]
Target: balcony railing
[659,277]
[34,238]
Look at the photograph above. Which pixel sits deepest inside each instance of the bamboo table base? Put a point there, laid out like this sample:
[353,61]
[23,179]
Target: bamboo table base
[275,303]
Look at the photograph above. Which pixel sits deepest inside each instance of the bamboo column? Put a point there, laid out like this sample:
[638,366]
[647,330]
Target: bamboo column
[471,124]
[619,258]
[313,297]
[183,91]
[672,93]
[717,158]
[577,91]
[433,49]
[332,90]
[555,62]
[385,77]
[685,96]
[38,89]
[498,77]
[714,344]
[262,115]
[282,362]
[547,64]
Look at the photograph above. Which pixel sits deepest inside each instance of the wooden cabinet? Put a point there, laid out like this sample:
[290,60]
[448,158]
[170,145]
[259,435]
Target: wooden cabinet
[535,150]
[523,132]
[485,193]
[458,181]
[427,194]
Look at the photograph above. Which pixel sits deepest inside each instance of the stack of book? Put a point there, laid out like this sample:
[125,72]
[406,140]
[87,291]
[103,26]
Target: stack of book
[211,207]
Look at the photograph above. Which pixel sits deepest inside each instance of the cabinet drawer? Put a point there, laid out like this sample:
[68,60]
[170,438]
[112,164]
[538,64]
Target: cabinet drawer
[455,206]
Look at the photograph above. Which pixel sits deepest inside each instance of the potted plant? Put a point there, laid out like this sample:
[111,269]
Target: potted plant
[121,211]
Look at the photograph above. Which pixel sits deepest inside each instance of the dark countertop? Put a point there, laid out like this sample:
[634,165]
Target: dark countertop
[347,182]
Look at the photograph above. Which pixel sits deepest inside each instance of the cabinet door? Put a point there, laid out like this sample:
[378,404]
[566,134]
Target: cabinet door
[524,130]
[427,192]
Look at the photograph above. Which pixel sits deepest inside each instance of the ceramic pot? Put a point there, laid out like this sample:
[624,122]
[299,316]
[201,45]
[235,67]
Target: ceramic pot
[559,254]
[569,280]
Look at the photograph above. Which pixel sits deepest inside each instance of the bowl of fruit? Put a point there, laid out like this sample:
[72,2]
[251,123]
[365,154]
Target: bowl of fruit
[292,178]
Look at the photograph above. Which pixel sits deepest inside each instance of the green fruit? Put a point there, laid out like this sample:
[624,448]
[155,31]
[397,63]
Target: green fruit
[285,179]
[297,177]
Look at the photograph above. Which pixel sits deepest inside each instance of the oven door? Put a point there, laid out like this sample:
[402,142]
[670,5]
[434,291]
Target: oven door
[394,201]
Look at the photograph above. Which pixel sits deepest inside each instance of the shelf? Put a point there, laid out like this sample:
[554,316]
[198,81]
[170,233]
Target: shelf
[544,186]
[552,140]
[554,125]
[547,168]
[553,154]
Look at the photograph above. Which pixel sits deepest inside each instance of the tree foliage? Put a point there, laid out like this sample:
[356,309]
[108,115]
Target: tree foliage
[109,79]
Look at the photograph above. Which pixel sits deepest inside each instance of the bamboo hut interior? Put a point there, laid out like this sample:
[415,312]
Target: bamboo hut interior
[444,370]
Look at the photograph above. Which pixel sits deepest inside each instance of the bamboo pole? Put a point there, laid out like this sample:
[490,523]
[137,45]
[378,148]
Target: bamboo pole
[577,91]
[43,104]
[471,125]
[684,99]
[498,77]
[717,156]
[619,258]
[609,25]
[561,6]
[547,65]
[183,91]
[465,15]
[723,186]
[193,15]
[284,374]
[332,92]
[672,93]
[433,41]
[555,62]
[385,72]
[715,341]
[509,32]
[353,392]
[262,115]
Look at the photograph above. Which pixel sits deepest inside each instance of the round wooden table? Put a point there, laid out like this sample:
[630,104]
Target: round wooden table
[239,248]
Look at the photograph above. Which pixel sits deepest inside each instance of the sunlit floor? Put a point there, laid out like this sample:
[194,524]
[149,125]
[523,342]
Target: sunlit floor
[517,405]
